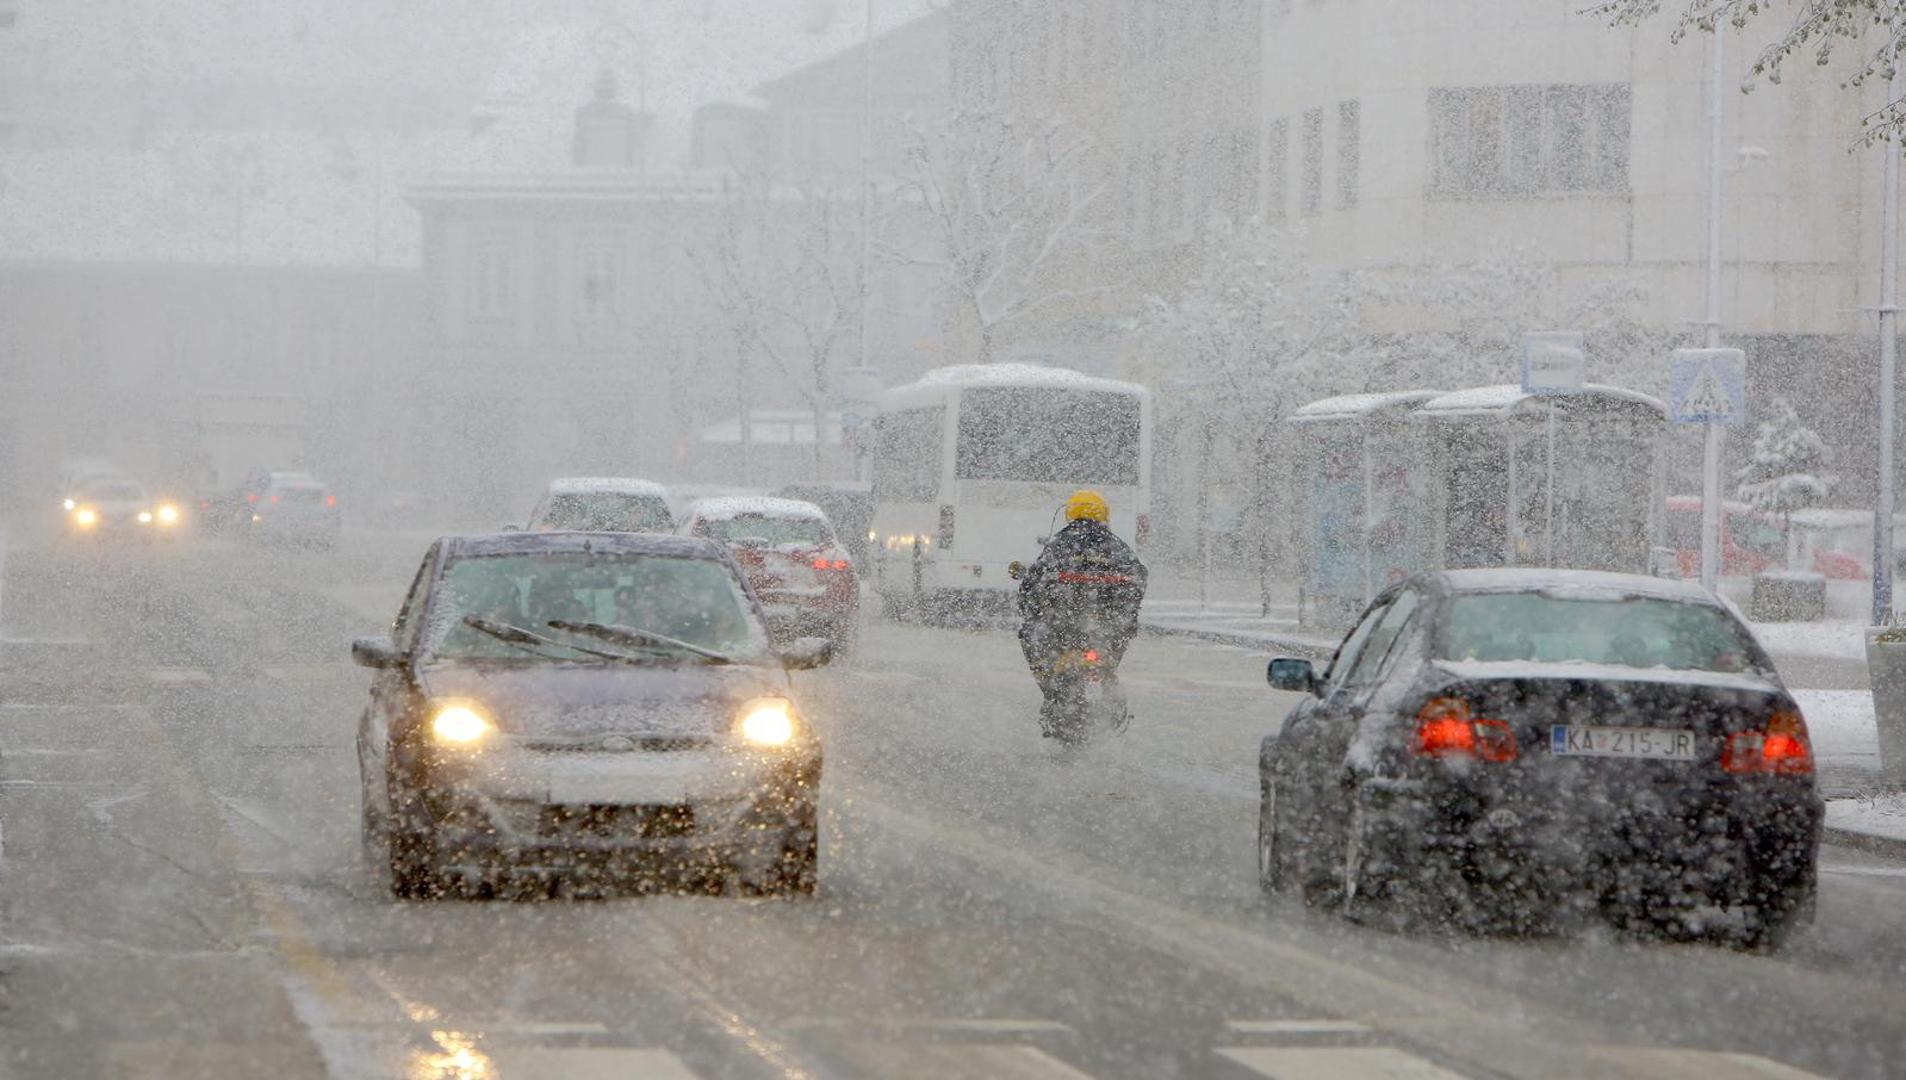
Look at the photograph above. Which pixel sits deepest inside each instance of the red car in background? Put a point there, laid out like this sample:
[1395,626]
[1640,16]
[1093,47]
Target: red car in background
[1751,541]
[794,562]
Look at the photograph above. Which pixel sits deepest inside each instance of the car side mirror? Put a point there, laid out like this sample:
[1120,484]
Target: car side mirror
[376,652]
[1014,569]
[808,653]
[1290,673]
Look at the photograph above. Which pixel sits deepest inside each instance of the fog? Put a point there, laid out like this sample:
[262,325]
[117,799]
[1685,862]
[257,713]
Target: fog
[1113,538]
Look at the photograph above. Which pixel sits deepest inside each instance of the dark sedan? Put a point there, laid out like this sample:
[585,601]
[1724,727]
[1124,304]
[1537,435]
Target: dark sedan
[1515,749]
[560,707]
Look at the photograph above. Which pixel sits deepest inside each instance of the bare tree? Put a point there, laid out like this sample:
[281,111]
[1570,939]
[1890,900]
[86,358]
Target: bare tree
[1818,28]
[785,274]
[1008,208]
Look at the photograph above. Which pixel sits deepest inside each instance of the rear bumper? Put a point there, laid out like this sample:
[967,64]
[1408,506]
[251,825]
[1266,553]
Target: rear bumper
[1749,844]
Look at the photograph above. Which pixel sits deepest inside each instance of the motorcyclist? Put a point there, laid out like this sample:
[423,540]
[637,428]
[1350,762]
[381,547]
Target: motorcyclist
[1085,570]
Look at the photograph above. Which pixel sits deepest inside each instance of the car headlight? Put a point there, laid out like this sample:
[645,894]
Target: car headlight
[86,517]
[145,517]
[768,722]
[168,514]
[460,725]
[69,505]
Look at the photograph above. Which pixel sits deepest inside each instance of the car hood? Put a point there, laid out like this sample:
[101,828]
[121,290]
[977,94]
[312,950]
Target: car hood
[589,699]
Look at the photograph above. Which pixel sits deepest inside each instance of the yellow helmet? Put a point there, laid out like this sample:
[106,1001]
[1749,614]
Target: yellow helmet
[1088,504]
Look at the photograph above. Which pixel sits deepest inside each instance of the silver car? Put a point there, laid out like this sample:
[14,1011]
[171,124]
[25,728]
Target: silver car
[559,707]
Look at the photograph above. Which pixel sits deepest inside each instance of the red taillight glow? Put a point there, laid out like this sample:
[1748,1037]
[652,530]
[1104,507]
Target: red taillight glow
[1782,749]
[274,500]
[1446,728]
[1091,656]
[841,564]
[330,500]
[821,564]
[252,498]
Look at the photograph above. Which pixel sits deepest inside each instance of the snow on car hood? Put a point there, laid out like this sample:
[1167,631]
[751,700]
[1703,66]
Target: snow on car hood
[1579,669]
[590,699]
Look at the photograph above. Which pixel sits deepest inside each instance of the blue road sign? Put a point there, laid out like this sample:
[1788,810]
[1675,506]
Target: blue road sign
[1707,386]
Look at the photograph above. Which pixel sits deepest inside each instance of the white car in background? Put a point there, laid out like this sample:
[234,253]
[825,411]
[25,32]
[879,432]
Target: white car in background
[602,504]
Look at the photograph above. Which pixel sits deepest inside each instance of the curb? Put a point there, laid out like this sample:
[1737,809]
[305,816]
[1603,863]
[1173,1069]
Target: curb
[1884,846]
[1312,650]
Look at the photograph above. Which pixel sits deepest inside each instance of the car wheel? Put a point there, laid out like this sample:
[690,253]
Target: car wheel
[793,869]
[1271,872]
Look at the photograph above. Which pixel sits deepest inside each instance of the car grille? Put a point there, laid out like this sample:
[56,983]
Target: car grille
[611,821]
[618,743]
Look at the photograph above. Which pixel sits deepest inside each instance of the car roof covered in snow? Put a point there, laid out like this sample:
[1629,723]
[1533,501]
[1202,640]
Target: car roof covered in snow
[586,543]
[935,385]
[1509,399]
[607,485]
[1351,406]
[1586,582]
[726,507]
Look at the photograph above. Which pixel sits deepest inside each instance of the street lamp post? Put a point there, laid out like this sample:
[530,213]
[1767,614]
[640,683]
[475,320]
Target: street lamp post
[1889,329]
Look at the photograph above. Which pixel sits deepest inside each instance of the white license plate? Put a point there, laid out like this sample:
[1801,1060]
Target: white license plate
[627,778]
[1659,744]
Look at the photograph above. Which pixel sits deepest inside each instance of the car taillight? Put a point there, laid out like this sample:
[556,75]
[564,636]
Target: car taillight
[274,500]
[946,528]
[1780,749]
[1091,656]
[252,498]
[331,500]
[1446,728]
[831,564]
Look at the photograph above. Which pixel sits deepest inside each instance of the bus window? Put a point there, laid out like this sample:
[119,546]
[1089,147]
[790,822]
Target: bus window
[907,455]
[1052,436]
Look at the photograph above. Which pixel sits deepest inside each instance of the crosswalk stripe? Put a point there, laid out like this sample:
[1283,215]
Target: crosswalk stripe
[1667,1063]
[1336,1063]
[585,1063]
[961,1061]
[1297,1027]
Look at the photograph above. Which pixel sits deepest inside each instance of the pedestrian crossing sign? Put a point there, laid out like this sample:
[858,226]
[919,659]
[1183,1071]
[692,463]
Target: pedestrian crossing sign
[1707,386]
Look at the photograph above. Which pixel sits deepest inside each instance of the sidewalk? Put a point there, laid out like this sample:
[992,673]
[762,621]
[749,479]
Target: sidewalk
[1823,664]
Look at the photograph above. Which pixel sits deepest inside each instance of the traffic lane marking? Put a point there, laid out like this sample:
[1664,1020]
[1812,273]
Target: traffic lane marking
[569,1063]
[966,1061]
[1298,1027]
[1666,1063]
[1336,1063]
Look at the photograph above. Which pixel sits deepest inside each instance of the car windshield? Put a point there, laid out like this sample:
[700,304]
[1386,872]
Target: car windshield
[114,491]
[1629,631]
[692,600]
[767,530]
[605,512]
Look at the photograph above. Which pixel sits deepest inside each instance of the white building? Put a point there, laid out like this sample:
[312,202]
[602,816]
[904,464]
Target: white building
[1401,134]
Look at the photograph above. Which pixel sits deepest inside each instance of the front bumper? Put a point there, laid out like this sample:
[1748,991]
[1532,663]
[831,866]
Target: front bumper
[566,810]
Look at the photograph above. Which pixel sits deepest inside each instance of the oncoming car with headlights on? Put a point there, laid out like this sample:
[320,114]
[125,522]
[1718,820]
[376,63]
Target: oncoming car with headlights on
[589,709]
[118,507]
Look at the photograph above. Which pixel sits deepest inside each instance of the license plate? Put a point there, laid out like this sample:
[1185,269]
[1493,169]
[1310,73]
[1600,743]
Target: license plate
[629,778]
[1659,744]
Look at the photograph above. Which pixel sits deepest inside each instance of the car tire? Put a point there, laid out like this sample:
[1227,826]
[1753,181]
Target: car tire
[793,869]
[1273,874]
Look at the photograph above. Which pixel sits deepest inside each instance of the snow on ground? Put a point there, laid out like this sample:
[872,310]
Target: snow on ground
[1837,639]
[1874,815]
[1841,723]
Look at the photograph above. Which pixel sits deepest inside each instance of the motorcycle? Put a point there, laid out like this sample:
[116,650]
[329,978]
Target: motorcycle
[1079,675]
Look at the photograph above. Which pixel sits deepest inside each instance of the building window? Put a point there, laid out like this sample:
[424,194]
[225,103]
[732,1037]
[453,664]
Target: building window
[1276,170]
[493,282]
[1349,154]
[1312,195]
[599,290]
[1528,140]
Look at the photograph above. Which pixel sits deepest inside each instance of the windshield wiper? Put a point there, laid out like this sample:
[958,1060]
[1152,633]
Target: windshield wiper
[537,643]
[638,638]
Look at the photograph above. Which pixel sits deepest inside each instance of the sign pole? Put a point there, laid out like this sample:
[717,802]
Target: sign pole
[1549,486]
[1711,455]
[1709,387]
[1711,508]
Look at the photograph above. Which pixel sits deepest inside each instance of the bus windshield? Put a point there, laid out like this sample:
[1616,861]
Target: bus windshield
[1033,434]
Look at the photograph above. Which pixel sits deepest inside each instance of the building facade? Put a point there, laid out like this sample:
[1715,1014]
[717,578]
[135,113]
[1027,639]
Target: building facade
[1403,135]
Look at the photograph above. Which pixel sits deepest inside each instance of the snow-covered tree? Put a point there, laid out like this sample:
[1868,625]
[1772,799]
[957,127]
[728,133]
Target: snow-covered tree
[1008,205]
[1816,30]
[1790,468]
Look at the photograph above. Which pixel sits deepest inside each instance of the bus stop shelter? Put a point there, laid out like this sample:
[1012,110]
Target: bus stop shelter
[1571,480]
[1360,500]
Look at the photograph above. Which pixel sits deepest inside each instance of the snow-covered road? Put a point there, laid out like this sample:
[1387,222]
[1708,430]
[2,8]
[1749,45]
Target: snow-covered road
[181,892]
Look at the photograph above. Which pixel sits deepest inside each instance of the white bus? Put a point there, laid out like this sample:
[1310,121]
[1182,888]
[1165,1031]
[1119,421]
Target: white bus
[972,466]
